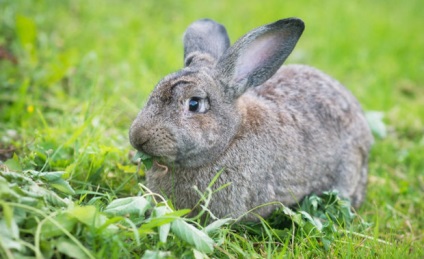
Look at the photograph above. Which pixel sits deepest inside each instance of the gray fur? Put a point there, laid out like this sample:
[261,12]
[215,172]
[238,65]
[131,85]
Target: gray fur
[279,133]
[204,31]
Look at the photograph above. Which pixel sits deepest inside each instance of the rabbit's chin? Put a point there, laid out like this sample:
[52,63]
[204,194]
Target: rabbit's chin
[180,160]
[180,163]
[168,161]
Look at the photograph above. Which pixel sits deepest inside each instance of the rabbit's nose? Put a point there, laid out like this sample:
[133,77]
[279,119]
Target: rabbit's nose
[138,136]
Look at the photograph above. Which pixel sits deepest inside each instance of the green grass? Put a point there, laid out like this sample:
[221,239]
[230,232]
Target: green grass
[85,68]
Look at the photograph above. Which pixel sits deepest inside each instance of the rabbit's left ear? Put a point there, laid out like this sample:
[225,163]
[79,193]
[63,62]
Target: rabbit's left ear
[204,42]
[256,56]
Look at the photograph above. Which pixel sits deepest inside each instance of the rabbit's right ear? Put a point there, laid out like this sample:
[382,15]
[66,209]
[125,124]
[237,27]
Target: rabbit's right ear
[204,42]
[256,56]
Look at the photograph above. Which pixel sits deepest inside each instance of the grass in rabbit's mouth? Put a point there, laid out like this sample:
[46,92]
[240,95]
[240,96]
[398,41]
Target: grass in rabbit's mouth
[145,159]
[77,73]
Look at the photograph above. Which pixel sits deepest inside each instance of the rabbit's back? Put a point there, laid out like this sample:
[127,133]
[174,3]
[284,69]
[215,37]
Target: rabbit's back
[323,125]
[313,95]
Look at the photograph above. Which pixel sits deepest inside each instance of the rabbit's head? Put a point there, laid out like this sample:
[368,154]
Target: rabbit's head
[193,115]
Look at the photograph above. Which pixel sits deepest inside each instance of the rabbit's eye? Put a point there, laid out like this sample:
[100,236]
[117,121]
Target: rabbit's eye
[197,104]
[193,104]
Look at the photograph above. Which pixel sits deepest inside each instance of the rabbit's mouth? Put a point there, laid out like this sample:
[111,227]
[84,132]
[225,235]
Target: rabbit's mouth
[158,151]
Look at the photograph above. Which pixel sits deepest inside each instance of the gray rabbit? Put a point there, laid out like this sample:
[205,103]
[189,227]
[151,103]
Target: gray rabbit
[279,133]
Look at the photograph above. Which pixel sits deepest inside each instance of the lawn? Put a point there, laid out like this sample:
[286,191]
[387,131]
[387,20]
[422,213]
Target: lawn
[74,74]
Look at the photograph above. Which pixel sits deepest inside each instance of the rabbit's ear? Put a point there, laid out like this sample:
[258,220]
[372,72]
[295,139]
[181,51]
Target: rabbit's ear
[256,56]
[204,42]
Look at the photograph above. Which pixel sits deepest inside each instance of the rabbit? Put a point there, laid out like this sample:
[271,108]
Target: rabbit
[274,133]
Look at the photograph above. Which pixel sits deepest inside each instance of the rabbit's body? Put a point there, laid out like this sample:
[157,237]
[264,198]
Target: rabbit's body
[296,133]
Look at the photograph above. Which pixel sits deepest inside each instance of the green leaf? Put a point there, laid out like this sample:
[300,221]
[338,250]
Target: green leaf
[288,211]
[6,192]
[13,164]
[49,176]
[7,214]
[62,186]
[192,235]
[148,163]
[199,255]
[9,230]
[145,159]
[69,248]
[376,123]
[49,196]
[86,215]
[129,205]
[155,254]
[110,223]
[295,217]
[216,225]
[91,217]
[144,156]
[163,229]
[54,179]
[165,219]
[50,230]
[7,241]
[314,221]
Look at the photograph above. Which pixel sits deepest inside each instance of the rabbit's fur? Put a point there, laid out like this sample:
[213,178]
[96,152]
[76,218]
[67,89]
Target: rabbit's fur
[278,134]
